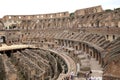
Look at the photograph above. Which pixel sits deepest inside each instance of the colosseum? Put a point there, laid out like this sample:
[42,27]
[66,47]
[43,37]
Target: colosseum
[61,46]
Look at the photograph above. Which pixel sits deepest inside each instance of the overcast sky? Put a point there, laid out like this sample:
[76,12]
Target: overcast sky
[27,7]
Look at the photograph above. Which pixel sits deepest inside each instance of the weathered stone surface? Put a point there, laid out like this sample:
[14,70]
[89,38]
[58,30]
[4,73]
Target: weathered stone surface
[92,31]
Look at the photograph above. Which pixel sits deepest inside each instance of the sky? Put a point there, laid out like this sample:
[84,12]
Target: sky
[29,7]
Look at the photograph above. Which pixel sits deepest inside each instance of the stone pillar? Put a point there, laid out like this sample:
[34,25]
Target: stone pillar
[62,42]
[59,42]
[43,77]
[82,46]
[85,48]
[79,46]
[66,43]
[97,55]
[72,44]
[119,24]
[78,67]
[91,52]
[100,60]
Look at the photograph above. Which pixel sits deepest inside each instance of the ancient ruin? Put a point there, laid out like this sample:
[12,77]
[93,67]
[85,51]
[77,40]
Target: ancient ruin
[55,46]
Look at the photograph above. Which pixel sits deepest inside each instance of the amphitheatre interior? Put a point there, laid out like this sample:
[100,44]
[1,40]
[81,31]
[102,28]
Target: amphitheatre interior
[52,46]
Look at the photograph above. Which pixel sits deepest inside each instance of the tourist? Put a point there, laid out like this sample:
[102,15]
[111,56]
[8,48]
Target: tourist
[88,75]
[72,76]
[92,78]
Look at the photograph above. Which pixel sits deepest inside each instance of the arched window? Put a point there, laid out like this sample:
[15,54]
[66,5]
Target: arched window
[107,36]
[113,37]
[3,38]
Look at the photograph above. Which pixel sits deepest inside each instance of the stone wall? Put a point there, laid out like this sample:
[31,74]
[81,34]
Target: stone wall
[90,10]
[1,25]
[34,17]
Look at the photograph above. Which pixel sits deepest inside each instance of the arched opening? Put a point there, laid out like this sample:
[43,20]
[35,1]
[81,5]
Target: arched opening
[92,24]
[90,53]
[79,46]
[97,56]
[8,53]
[107,36]
[14,27]
[97,24]
[2,39]
[1,25]
[76,47]
[113,37]
[83,47]
[87,49]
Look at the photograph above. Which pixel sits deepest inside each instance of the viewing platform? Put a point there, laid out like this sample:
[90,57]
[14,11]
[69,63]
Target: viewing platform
[5,47]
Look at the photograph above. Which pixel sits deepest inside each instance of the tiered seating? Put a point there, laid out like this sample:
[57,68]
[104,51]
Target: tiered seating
[113,48]
[91,38]
[112,61]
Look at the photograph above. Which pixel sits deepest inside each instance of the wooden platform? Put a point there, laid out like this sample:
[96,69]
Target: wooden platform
[5,47]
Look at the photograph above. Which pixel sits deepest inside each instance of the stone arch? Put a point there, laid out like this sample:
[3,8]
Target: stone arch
[100,59]
[3,39]
[91,53]
[113,37]
[94,54]
[107,36]
[97,23]
[1,25]
[87,49]
[97,56]
[83,47]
